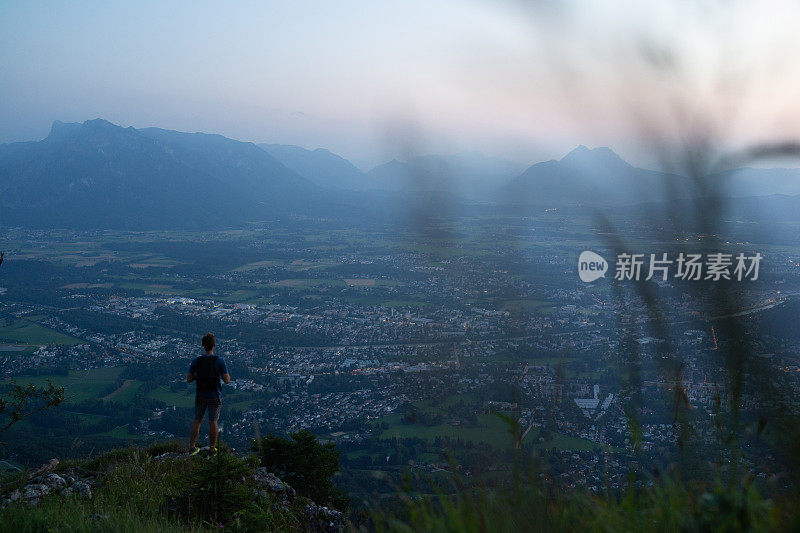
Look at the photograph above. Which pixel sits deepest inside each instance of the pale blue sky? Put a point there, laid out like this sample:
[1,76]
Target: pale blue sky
[352,76]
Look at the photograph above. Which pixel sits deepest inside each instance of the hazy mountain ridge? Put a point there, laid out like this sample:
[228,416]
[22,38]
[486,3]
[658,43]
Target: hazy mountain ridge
[97,175]
[589,176]
[599,177]
[467,174]
[322,167]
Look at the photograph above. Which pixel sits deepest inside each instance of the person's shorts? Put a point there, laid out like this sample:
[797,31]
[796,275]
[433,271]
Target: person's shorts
[213,404]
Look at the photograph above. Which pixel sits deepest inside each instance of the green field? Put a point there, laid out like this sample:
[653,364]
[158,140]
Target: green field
[370,299]
[527,306]
[120,433]
[491,430]
[125,393]
[179,399]
[80,385]
[247,296]
[302,283]
[185,398]
[242,402]
[25,332]
[12,350]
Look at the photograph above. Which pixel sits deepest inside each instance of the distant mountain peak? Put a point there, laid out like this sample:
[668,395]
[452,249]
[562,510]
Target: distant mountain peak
[101,125]
[582,155]
[59,128]
[394,163]
[99,122]
[320,166]
[97,174]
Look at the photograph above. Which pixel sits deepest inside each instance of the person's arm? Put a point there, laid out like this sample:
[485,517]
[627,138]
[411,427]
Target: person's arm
[223,370]
[192,370]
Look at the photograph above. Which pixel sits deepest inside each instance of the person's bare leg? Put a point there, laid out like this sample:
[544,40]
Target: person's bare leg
[195,432]
[213,428]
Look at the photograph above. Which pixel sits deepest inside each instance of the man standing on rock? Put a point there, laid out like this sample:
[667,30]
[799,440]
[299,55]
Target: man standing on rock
[206,371]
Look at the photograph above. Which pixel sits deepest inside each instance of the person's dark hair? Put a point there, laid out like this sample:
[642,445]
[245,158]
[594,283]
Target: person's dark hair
[209,342]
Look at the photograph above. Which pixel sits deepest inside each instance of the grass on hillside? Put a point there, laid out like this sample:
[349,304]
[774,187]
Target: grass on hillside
[665,506]
[134,491]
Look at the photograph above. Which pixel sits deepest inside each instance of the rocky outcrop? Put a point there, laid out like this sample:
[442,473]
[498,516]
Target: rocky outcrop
[313,518]
[321,518]
[268,486]
[272,484]
[42,484]
[304,514]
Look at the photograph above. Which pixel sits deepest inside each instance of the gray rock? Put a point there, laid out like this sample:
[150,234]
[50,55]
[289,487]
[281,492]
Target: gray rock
[47,483]
[272,484]
[81,488]
[35,491]
[54,482]
[320,518]
[171,455]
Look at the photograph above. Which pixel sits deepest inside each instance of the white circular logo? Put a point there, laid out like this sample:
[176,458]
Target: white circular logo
[591,266]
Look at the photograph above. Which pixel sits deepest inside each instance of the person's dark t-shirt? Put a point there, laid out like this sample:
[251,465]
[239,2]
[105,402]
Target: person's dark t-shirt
[221,370]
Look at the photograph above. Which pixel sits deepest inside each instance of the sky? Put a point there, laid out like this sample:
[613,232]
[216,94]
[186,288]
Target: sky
[374,79]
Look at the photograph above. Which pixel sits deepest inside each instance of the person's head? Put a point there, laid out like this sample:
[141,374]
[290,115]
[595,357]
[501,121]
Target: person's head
[209,342]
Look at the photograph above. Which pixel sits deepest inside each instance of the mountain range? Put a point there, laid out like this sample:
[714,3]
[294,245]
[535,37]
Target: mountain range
[597,177]
[469,174]
[322,167]
[97,175]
